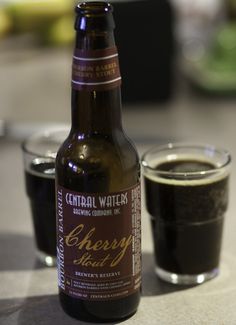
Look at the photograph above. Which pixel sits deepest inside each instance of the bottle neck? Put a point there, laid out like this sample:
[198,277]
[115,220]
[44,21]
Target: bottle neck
[95,110]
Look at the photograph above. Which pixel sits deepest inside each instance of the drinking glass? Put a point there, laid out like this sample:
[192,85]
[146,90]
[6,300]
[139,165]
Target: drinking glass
[186,190]
[39,153]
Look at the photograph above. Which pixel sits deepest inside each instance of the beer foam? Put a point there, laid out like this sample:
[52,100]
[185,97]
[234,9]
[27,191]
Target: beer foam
[191,178]
[47,172]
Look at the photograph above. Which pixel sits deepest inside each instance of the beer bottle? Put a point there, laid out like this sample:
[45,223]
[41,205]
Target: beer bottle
[97,183]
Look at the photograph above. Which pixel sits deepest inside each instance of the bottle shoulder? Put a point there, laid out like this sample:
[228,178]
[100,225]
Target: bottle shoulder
[100,147]
[112,161]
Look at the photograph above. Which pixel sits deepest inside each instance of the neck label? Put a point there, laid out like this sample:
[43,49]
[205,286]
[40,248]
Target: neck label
[95,70]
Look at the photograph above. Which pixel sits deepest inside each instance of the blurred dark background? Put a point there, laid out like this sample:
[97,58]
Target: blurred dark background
[145,39]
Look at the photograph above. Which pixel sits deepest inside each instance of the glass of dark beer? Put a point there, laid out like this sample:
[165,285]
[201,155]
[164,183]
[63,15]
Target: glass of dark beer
[39,152]
[186,190]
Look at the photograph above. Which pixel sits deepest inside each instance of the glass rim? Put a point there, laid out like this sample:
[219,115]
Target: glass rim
[188,145]
[43,134]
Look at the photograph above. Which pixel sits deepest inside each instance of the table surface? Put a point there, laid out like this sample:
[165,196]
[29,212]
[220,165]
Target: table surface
[28,291]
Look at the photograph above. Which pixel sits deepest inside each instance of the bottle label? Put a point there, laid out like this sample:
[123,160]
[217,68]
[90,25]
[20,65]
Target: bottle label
[99,243]
[95,69]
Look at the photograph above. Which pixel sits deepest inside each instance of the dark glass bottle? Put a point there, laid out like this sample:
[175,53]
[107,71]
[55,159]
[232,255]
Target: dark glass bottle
[97,164]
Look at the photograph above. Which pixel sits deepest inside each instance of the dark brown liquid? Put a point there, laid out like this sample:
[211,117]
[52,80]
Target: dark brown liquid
[187,219]
[40,187]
